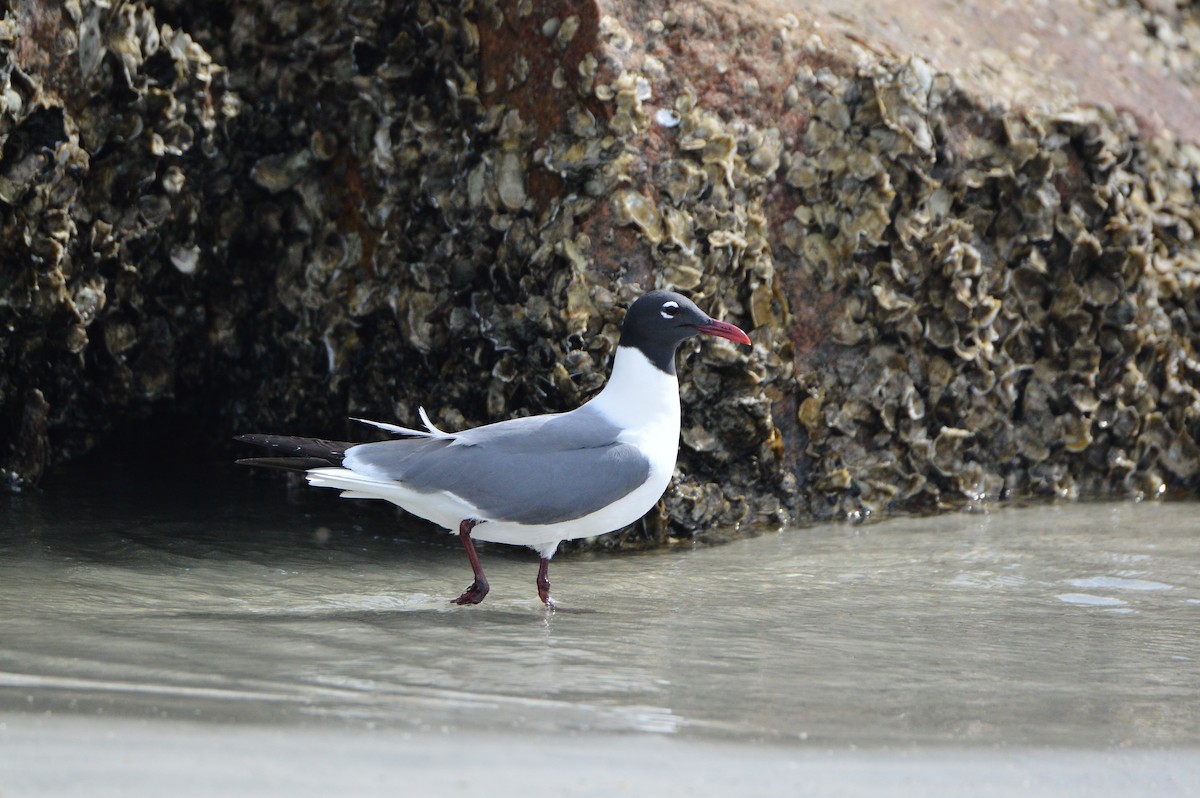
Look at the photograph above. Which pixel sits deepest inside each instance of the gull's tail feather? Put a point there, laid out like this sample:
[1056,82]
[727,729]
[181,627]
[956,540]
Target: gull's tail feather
[292,453]
[354,485]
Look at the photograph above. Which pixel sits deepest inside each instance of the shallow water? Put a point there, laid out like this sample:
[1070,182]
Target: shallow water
[245,600]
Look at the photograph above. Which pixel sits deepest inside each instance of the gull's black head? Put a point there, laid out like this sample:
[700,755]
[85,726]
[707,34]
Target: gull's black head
[660,321]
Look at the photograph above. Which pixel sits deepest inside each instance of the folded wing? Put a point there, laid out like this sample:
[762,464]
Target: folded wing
[539,470]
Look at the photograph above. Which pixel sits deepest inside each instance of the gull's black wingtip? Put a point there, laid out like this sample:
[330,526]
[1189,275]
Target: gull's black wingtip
[257,439]
[284,463]
[308,452]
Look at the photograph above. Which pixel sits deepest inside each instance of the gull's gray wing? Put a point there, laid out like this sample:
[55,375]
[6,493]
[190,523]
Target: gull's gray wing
[537,470]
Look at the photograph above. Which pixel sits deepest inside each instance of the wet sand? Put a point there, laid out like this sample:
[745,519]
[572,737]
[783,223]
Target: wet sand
[93,758]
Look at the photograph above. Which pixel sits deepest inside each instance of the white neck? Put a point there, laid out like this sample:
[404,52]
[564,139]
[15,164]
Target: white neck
[640,396]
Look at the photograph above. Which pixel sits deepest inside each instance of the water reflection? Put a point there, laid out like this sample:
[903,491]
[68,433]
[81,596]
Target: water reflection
[1071,624]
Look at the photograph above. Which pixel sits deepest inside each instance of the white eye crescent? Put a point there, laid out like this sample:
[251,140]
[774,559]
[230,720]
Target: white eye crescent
[669,309]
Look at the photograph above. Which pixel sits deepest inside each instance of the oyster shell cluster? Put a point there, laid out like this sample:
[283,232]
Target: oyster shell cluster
[105,114]
[1016,298]
[298,212]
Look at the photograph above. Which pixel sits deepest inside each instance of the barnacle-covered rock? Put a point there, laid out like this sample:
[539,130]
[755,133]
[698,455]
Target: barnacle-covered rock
[966,276]
[1027,265]
[105,113]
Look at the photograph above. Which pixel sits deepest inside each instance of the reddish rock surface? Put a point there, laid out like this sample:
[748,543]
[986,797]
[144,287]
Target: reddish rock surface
[999,130]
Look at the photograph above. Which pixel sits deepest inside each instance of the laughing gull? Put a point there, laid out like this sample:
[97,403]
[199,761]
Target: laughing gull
[533,481]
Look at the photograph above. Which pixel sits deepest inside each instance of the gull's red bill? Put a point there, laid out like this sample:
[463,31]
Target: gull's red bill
[723,329]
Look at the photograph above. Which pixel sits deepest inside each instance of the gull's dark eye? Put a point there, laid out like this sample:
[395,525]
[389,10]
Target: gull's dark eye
[669,309]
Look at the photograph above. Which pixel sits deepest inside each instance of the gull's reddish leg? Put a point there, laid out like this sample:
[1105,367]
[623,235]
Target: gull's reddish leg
[543,582]
[479,588]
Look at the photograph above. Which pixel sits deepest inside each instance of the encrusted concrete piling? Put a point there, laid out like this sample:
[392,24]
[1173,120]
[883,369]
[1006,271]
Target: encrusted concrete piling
[968,264]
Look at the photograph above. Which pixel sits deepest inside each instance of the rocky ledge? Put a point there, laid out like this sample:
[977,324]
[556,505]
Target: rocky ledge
[963,242]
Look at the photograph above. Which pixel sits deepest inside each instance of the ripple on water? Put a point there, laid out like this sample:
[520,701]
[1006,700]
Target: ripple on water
[1088,600]
[1118,583]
